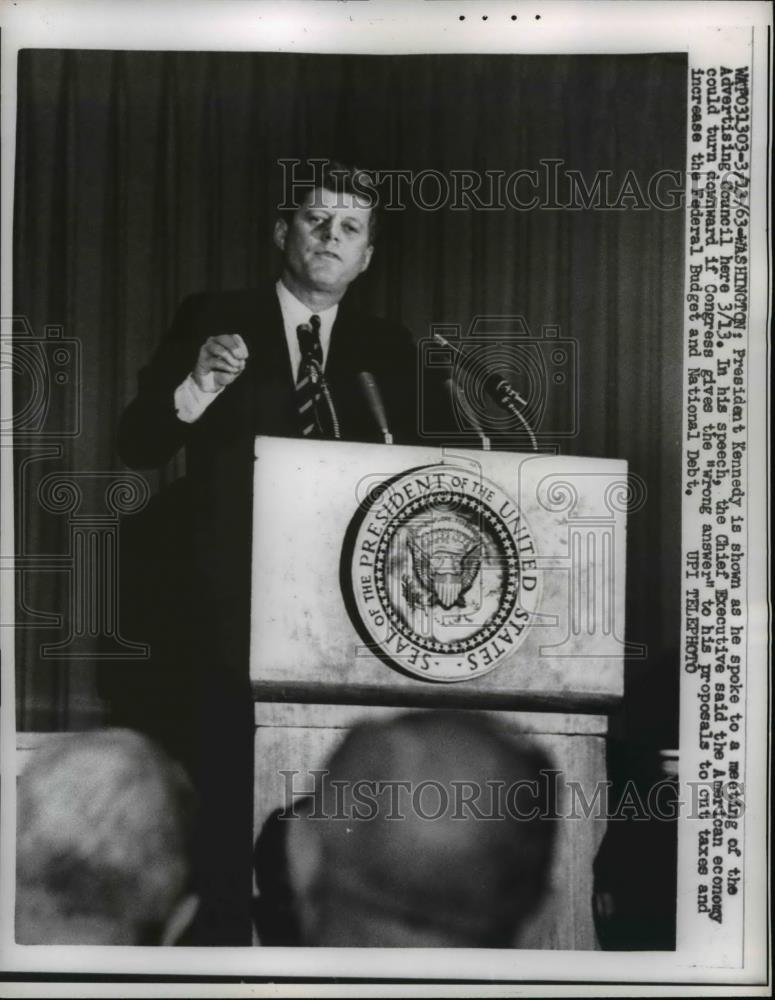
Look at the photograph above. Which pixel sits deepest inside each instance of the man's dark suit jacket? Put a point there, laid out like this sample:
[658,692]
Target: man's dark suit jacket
[219,446]
[193,553]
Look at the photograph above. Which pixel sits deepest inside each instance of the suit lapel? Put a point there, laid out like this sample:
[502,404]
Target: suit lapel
[265,335]
[271,385]
[352,352]
[345,346]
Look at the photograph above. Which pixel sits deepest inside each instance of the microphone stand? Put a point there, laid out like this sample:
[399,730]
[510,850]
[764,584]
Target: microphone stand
[317,378]
[371,392]
[456,395]
[499,391]
[510,400]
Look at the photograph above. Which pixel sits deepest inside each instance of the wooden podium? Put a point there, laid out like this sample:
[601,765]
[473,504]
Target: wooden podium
[389,578]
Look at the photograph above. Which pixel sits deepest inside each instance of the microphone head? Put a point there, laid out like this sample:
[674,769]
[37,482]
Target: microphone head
[443,342]
[373,396]
[367,381]
[460,404]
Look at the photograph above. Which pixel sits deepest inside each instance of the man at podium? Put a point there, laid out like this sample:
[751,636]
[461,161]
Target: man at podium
[289,358]
[252,343]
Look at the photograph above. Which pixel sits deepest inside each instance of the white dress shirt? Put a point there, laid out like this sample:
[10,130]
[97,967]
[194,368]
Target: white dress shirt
[191,401]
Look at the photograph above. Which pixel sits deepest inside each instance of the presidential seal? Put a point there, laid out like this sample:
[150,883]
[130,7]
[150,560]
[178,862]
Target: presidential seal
[443,573]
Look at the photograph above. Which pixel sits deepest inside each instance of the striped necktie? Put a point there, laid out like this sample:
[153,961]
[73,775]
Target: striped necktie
[307,386]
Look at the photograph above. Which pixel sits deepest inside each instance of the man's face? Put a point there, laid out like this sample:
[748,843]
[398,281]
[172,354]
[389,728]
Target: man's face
[327,244]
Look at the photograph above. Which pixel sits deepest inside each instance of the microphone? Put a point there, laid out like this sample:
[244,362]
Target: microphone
[457,399]
[370,390]
[493,384]
[496,387]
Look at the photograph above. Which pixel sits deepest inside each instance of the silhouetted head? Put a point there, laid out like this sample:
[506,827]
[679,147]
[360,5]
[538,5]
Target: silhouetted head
[426,832]
[103,836]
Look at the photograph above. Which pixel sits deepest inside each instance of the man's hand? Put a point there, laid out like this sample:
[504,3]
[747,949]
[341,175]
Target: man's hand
[221,360]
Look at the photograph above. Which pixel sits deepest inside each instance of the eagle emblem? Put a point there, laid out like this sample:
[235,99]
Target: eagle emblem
[446,563]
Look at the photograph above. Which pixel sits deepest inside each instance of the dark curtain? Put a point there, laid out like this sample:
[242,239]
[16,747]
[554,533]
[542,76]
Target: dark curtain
[144,176]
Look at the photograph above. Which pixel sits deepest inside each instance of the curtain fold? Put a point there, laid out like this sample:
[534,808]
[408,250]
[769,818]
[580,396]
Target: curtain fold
[142,177]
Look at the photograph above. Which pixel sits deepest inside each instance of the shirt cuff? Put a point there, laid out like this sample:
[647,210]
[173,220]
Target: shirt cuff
[191,401]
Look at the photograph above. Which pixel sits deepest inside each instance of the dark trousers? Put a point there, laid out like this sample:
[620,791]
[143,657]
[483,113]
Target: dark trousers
[193,697]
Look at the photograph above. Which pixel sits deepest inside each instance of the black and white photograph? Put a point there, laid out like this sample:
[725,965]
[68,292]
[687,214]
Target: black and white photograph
[383,494]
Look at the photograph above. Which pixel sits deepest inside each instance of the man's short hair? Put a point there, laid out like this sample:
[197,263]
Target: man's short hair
[103,839]
[437,869]
[311,173]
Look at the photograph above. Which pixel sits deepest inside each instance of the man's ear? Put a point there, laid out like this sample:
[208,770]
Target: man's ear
[279,233]
[304,853]
[367,255]
[304,857]
[179,920]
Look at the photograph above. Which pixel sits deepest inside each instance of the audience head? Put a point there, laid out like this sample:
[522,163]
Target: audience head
[103,841]
[451,852]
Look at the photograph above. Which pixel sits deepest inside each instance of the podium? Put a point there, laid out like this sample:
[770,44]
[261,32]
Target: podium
[389,578]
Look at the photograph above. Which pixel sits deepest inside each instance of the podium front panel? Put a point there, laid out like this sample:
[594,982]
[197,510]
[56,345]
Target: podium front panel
[380,573]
